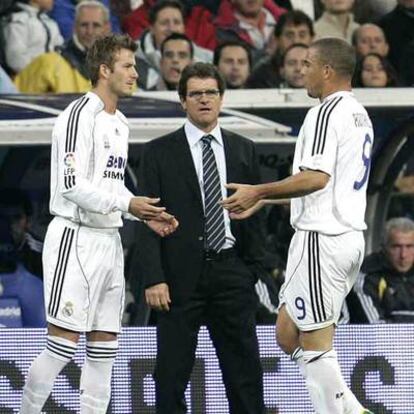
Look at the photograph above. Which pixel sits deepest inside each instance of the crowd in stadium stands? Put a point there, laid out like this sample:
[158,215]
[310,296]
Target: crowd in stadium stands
[254,44]
[43,42]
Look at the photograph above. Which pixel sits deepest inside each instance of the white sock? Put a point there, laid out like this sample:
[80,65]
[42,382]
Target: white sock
[328,390]
[43,372]
[95,384]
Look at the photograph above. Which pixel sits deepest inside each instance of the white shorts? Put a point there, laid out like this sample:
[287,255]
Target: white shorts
[83,277]
[320,272]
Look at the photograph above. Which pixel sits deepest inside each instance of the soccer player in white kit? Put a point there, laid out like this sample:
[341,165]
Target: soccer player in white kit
[328,190]
[83,256]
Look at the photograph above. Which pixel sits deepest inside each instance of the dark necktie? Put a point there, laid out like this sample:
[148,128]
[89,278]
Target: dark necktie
[215,232]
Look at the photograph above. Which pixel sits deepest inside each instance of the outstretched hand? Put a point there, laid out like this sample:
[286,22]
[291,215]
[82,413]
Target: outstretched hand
[249,212]
[163,225]
[245,197]
[145,208]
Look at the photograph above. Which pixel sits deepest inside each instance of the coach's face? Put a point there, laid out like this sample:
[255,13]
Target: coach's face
[202,102]
[313,72]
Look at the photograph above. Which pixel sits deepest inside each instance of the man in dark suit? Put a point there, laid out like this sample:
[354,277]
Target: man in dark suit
[205,273]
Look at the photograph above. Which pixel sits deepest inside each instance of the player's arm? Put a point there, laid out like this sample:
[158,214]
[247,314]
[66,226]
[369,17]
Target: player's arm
[164,224]
[75,165]
[253,196]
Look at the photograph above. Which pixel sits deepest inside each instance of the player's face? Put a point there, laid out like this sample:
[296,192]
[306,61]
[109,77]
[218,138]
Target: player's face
[312,71]
[176,56]
[400,250]
[122,79]
[203,102]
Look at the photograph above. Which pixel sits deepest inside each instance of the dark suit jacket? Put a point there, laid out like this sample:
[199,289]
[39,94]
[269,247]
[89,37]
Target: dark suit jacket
[167,171]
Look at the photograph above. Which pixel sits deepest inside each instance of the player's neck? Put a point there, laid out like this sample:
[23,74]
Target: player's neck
[109,99]
[330,89]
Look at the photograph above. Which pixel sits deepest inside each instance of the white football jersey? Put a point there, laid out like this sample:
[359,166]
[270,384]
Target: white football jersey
[89,156]
[336,138]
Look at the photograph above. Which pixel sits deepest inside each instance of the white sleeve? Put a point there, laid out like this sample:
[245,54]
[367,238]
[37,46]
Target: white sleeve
[125,214]
[74,157]
[320,141]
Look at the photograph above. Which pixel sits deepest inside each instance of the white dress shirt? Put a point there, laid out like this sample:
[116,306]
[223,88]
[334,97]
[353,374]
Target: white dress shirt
[194,136]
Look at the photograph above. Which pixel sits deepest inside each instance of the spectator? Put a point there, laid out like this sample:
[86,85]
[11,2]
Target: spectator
[370,38]
[16,210]
[166,17]
[198,21]
[337,20]
[292,27]
[250,21]
[374,71]
[292,64]
[64,12]
[234,61]
[21,291]
[398,26]
[176,53]
[66,72]
[6,84]
[384,291]
[29,33]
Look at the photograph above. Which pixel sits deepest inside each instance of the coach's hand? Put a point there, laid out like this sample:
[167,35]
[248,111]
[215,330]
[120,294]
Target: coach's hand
[144,207]
[163,225]
[158,297]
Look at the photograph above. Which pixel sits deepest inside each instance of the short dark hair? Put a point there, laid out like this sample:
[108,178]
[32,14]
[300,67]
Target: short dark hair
[178,36]
[295,18]
[103,52]
[301,45]
[231,43]
[203,71]
[163,4]
[338,54]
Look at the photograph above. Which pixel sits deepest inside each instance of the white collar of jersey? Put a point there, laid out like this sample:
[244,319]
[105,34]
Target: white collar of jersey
[194,134]
[335,94]
[96,105]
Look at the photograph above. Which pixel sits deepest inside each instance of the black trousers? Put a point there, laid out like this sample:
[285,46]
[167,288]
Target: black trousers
[225,301]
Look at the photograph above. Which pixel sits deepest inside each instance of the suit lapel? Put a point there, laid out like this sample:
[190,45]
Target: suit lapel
[230,151]
[182,156]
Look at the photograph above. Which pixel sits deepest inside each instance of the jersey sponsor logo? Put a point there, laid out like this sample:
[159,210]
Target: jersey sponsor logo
[116,162]
[115,175]
[115,168]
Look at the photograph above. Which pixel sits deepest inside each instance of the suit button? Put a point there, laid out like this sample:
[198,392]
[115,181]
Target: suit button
[200,238]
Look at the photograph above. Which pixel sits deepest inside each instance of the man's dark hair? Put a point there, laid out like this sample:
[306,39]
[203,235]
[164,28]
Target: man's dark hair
[338,54]
[163,4]
[231,43]
[295,18]
[178,36]
[301,45]
[203,71]
[103,52]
